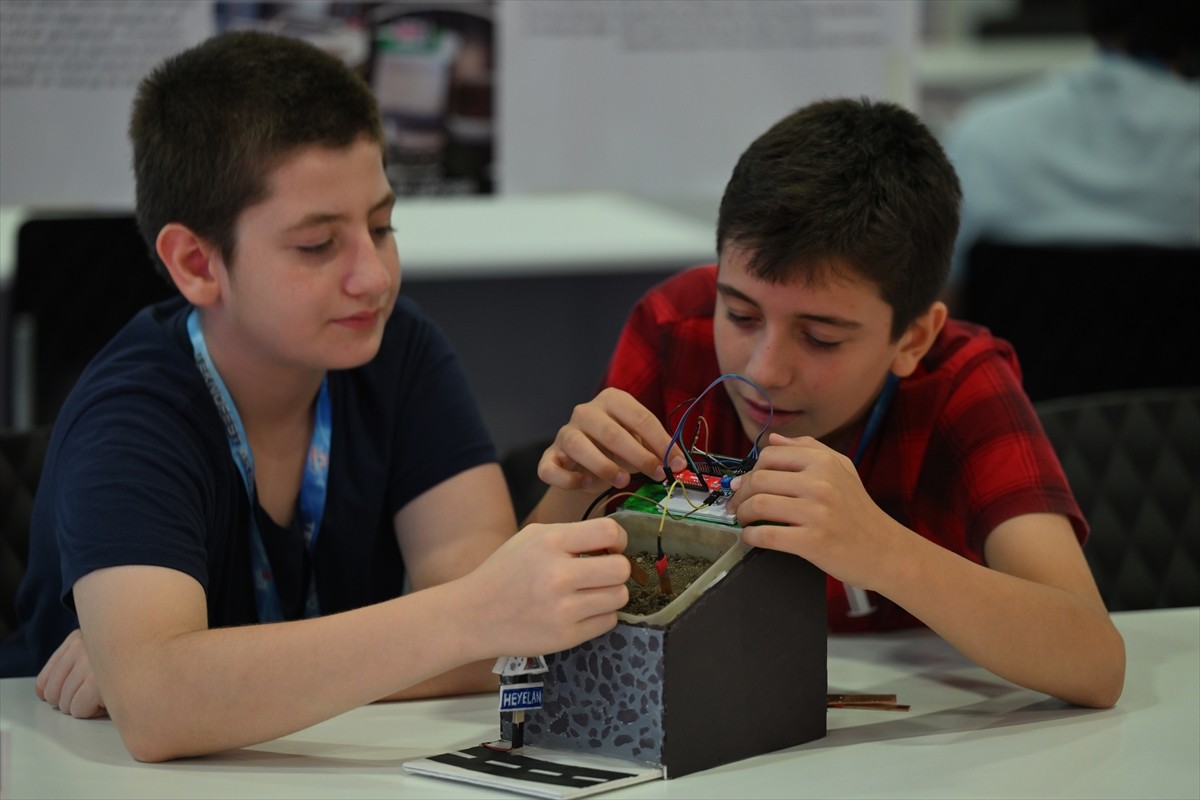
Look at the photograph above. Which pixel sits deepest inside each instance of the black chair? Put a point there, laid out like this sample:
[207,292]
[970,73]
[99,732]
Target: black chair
[21,458]
[1133,462]
[1089,319]
[78,280]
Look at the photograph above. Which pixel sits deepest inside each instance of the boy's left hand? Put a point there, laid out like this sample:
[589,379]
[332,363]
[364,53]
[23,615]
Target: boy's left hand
[821,509]
[68,683]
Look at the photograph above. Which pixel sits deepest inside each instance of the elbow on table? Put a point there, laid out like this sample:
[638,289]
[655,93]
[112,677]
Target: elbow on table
[1107,680]
[146,745]
[144,748]
[151,735]
[1104,696]
[148,753]
[1110,690]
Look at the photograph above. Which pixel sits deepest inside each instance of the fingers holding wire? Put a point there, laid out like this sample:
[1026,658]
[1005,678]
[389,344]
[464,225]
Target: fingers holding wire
[576,461]
[607,441]
[631,434]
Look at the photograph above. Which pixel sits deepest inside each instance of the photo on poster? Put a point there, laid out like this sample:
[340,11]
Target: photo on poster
[431,66]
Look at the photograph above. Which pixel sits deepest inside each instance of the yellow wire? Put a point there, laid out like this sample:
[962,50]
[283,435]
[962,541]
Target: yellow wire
[661,504]
[666,502]
[614,496]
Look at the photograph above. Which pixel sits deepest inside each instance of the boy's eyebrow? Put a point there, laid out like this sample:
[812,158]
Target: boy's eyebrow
[729,291]
[310,220]
[840,322]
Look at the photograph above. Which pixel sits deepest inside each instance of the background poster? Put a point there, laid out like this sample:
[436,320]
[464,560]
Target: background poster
[660,97]
[67,67]
[68,70]
[655,97]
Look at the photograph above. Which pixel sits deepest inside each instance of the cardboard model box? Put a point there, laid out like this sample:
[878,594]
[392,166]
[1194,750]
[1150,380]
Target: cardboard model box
[734,667]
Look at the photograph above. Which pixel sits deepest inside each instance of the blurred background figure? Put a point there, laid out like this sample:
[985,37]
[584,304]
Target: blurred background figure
[1104,154]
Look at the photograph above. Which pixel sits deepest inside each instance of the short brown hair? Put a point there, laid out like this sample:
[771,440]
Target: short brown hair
[210,124]
[847,183]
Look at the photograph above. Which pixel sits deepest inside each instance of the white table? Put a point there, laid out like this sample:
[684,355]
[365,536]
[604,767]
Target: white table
[968,734]
[542,233]
[546,234]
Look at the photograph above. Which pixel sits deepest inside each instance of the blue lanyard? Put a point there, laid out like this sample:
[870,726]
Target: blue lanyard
[876,419]
[312,490]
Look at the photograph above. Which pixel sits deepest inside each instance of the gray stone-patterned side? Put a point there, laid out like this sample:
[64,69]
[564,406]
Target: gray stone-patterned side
[605,697]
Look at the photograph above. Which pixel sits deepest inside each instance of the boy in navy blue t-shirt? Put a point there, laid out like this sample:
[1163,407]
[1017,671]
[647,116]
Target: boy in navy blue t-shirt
[243,478]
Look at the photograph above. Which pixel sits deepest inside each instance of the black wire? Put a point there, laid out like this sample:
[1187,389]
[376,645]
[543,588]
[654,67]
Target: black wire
[606,493]
[676,409]
[686,454]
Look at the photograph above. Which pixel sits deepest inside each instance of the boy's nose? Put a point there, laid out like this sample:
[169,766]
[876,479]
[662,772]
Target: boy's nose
[371,273]
[770,365]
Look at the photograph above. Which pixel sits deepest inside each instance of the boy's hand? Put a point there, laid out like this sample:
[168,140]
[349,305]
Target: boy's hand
[605,442]
[67,681]
[538,596]
[822,510]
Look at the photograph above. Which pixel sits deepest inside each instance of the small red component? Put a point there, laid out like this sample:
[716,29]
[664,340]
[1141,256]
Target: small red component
[691,480]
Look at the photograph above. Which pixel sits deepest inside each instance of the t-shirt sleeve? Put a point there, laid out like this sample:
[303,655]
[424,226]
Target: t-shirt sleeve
[1003,462]
[439,430]
[129,487]
[635,363]
[667,339]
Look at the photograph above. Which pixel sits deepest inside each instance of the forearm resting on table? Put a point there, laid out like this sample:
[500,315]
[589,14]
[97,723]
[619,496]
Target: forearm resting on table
[1050,638]
[175,692]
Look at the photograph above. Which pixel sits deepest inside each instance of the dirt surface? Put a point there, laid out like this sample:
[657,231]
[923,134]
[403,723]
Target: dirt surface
[682,570]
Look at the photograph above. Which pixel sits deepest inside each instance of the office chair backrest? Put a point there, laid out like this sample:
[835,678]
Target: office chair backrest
[78,281]
[21,457]
[1090,319]
[1133,461]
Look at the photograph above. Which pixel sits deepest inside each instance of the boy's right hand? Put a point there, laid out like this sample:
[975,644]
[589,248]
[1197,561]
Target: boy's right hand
[605,442]
[540,596]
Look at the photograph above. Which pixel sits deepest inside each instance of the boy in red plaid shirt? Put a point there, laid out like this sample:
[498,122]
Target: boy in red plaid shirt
[900,454]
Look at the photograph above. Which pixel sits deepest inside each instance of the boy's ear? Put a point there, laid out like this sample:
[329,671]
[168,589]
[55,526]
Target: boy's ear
[916,341]
[191,261]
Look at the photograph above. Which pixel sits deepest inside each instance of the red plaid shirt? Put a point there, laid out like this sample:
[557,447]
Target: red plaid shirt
[960,449]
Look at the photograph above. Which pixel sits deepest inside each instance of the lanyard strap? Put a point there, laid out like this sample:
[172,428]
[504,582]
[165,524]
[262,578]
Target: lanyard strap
[876,418]
[859,600]
[313,490]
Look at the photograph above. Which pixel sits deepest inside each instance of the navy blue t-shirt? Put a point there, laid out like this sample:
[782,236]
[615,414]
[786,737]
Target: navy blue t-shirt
[139,471]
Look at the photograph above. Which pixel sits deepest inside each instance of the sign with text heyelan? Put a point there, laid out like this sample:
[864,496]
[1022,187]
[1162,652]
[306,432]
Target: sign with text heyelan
[520,697]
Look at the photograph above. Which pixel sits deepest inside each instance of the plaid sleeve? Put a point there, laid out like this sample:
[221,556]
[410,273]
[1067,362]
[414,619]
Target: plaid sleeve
[989,453]
[636,363]
[666,347]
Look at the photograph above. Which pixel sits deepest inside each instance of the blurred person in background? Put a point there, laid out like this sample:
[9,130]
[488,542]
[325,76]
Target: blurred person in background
[1106,153]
